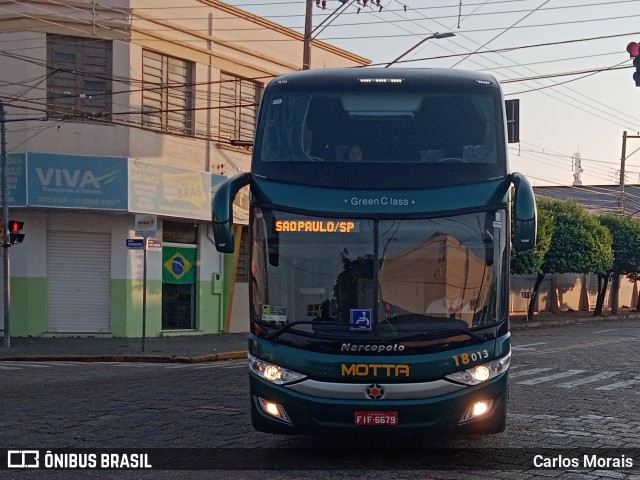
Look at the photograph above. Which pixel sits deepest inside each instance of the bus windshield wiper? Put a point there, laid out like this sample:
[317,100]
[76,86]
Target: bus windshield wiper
[443,332]
[289,326]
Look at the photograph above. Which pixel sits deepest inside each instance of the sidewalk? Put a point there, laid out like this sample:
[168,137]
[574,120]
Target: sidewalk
[207,348]
[184,349]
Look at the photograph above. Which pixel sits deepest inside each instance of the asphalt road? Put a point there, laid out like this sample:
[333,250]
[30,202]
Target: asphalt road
[571,387]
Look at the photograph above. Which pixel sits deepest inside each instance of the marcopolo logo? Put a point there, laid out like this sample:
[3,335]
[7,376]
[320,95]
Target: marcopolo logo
[372,347]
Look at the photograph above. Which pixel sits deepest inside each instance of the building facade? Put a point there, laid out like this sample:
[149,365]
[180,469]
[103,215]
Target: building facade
[125,112]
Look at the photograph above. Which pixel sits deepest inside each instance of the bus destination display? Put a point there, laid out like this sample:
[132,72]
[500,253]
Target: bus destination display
[316,226]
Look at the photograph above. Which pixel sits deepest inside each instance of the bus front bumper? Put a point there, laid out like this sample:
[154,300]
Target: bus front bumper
[277,409]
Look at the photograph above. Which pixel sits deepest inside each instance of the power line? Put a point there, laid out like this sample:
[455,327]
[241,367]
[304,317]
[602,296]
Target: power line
[504,31]
[545,86]
[199,93]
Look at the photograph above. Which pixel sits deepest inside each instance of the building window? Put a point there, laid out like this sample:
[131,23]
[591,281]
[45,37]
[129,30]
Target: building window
[80,82]
[239,99]
[179,232]
[167,93]
[242,271]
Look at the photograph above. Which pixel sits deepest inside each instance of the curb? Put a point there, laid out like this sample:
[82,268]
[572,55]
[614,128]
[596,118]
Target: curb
[213,357]
[523,325]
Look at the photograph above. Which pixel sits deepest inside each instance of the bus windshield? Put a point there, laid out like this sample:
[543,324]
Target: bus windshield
[393,128]
[350,138]
[368,279]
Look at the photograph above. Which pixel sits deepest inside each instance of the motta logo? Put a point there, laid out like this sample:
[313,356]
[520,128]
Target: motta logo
[387,370]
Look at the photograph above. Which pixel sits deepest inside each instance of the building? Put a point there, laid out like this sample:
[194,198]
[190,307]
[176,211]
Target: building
[123,111]
[597,199]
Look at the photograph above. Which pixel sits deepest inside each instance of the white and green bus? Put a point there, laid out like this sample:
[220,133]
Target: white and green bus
[382,216]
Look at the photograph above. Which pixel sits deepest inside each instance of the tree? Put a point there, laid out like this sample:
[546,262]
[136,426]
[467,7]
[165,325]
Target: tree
[625,233]
[579,242]
[635,277]
[529,263]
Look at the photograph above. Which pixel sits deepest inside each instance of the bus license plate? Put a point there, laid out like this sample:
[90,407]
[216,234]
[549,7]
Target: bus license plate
[376,418]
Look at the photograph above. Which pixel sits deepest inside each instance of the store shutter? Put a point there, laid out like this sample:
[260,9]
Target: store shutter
[78,282]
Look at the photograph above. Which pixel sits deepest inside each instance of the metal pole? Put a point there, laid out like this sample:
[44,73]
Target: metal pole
[622,162]
[430,37]
[308,24]
[144,296]
[332,16]
[5,226]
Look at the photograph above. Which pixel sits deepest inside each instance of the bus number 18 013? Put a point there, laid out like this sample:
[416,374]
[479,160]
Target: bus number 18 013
[468,357]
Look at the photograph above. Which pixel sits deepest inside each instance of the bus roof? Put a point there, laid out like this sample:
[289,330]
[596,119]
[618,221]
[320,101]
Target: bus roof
[327,77]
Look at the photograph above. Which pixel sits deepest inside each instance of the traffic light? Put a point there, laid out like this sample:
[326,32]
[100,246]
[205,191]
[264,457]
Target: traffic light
[15,231]
[634,52]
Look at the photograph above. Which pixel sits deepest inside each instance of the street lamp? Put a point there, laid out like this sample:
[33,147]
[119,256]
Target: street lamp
[430,37]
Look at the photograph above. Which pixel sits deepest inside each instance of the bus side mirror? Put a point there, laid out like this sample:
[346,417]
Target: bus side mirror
[222,211]
[525,221]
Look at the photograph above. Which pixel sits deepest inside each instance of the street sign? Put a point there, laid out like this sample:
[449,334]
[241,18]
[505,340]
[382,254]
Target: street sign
[146,225]
[135,244]
[154,244]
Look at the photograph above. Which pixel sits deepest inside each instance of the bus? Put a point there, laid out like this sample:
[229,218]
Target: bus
[382,217]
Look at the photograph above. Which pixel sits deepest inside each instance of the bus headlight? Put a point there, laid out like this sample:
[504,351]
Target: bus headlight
[273,373]
[481,373]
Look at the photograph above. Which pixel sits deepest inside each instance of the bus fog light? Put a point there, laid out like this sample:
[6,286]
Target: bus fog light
[479,409]
[273,409]
[476,410]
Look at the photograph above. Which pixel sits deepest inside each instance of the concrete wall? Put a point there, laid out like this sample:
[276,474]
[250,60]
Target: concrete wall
[568,292]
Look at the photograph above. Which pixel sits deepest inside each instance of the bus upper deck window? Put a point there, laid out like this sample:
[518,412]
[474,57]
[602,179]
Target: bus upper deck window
[404,105]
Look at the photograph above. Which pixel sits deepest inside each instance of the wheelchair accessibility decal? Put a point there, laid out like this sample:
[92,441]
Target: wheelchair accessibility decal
[361,320]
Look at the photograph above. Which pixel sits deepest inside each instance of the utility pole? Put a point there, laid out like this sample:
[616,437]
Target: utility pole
[310,33]
[5,225]
[623,159]
[308,25]
[622,162]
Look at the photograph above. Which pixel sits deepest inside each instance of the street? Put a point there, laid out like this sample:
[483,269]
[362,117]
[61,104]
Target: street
[574,386]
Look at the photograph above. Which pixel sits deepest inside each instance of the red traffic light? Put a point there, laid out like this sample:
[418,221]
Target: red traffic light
[15,226]
[15,229]
[634,49]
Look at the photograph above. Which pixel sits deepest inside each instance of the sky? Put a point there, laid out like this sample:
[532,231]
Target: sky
[565,60]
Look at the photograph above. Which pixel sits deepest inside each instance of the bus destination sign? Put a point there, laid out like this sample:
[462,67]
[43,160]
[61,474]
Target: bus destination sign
[316,226]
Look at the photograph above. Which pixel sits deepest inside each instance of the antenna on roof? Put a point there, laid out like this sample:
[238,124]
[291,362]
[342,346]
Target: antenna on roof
[576,164]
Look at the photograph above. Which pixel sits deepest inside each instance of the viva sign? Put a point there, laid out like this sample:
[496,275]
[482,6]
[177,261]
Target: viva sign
[66,179]
[75,181]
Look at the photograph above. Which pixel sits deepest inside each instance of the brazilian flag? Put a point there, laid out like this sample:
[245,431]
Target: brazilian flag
[178,265]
